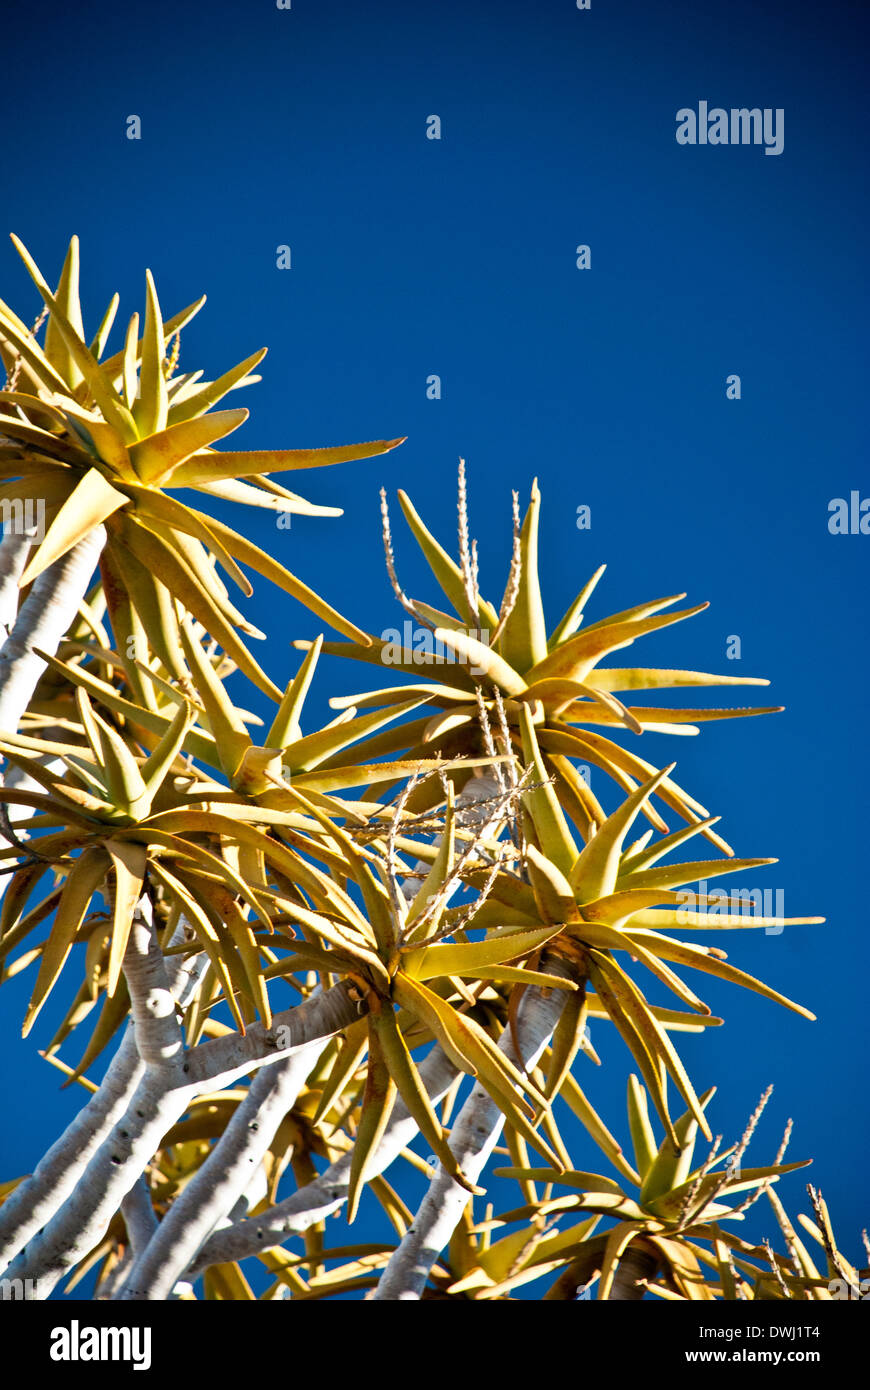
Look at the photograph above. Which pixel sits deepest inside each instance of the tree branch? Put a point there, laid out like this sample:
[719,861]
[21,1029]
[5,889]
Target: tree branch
[43,619]
[37,1200]
[39,1197]
[161,1098]
[222,1179]
[139,1216]
[81,1223]
[220,1061]
[328,1193]
[14,551]
[152,1004]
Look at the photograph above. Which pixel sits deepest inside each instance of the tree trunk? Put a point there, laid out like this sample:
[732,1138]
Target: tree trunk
[636,1264]
[42,620]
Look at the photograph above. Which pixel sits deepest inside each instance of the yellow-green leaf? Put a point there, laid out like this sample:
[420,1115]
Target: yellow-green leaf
[378,1100]
[82,882]
[285,726]
[129,862]
[413,1093]
[577,657]
[151,409]
[523,640]
[699,959]
[551,828]
[595,872]
[91,501]
[432,962]
[97,378]
[67,296]
[198,402]
[207,467]
[671,1166]
[481,660]
[445,570]
[155,457]
[642,1137]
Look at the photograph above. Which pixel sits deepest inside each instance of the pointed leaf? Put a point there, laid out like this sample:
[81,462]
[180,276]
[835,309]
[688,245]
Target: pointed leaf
[91,501]
[671,1167]
[155,457]
[105,328]
[208,467]
[595,872]
[445,570]
[129,863]
[569,624]
[644,856]
[577,657]
[700,959]
[551,828]
[567,1040]
[285,727]
[523,640]
[636,1008]
[67,296]
[411,1089]
[126,788]
[226,726]
[113,365]
[553,895]
[82,882]
[199,401]
[151,409]
[642,1137]
[97,378]
[378,1100]
[480,658]
[576,1099]
[249,554]
[432,962]
[673,875]
[159,762]
[350,1054]
[671,1203]
[648,1060]
[645,678]
[191,590]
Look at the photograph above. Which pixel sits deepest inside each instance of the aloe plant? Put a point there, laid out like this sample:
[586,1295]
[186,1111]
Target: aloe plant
[328,943]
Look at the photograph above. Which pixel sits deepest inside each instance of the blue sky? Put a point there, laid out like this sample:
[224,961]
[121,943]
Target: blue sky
[456,257]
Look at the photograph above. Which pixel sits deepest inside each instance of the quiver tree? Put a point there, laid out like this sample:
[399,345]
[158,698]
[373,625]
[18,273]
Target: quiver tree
[308,951]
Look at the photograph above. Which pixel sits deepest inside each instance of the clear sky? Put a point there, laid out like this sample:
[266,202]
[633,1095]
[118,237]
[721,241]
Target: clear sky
[413,257]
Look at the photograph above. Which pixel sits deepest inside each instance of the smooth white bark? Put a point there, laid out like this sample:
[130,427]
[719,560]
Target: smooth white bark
[14,550]
[328,1193]
[35,1201]
[43,618]
[161,1098]
[220,1061]
[158,1033]
[39,1197]
[222,1179]
[139,1215]
[80,1224]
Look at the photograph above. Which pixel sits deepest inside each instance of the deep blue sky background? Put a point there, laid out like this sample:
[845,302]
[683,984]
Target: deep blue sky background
[411,257]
